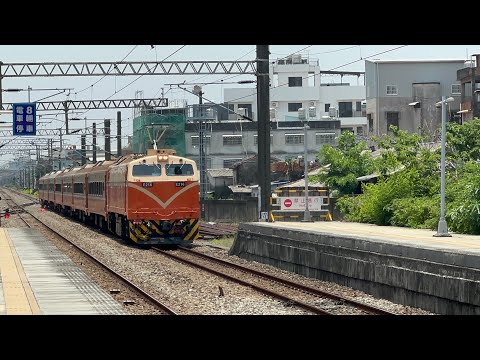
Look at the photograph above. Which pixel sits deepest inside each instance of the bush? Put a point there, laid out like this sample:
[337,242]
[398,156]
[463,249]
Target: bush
[416,212]
[463,200]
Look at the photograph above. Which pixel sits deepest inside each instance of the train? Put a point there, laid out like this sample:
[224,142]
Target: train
[150,199]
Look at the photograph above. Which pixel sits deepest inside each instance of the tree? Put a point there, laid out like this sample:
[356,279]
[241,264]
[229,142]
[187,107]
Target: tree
[407,190]
[349,160]
[410,196]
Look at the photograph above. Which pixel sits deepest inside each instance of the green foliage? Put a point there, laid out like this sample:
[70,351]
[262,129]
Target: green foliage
[416,212]
[463,141]
[463,213]
[408,189]
[347,161]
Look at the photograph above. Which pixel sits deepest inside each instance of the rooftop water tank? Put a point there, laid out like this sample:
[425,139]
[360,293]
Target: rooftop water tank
[301,114]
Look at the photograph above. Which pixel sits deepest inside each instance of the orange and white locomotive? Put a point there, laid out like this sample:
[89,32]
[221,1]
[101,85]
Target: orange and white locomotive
[149,199]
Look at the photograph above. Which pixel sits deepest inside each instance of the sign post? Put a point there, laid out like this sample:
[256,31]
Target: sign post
[24,119]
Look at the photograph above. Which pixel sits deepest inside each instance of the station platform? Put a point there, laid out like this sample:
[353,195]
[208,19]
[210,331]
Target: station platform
[406,266]
[37,279]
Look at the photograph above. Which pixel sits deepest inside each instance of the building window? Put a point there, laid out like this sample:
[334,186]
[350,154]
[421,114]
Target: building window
[78,188]
[231,108]
[294,81]
[359,130]
[255,139]
[196,140]
[293,139]
[327,107]
[358,106]
[392,90]
[232,140]
[342,130]
[392,119]
[228,163]
[345,109]
[293,107]
[456,89]
[325,138]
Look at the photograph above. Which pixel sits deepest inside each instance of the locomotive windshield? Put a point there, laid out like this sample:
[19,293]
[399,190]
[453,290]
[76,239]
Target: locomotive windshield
[147,170]
[178,169]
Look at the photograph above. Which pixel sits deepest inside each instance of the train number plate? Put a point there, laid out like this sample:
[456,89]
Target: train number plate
[180,184]
[147,184]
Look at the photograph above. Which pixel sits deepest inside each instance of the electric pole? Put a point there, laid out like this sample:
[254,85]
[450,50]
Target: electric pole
[119,134]
[94,142]
[263,110]
[83,151]
[201,152]
[108,155]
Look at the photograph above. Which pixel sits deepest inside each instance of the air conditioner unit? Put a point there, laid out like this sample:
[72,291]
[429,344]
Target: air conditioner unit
[332,112]
[241,111]
[274,104]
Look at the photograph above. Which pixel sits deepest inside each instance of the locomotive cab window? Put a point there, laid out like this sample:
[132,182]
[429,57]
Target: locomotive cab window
[147,170]
[179,169]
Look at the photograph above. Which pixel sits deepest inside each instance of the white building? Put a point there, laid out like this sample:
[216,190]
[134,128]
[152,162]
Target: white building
[295,82]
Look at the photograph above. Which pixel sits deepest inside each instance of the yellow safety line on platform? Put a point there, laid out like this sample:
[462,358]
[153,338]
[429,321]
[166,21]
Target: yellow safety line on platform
[19,298]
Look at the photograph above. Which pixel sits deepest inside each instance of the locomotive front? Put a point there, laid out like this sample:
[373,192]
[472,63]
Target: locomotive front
[162,199]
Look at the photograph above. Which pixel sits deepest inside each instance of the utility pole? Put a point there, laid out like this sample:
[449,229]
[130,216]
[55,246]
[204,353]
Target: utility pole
[119,134]
[473,82]
[60,153]
[108,155]
[65,106]
[201,151]
[306,215]
[94,142]
[83,152]
[263,111]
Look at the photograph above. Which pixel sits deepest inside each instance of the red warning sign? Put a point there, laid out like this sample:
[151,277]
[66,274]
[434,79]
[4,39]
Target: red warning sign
[287,203]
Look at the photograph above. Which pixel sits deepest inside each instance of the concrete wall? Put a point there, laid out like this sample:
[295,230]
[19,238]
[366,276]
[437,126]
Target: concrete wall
[423,81]
[403,74]
[235,211]
[435,280]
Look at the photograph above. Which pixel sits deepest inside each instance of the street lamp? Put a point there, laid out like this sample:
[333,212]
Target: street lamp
[301,116]
[442,223]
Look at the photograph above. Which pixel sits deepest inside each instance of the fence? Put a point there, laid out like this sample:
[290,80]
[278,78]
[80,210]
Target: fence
[231,211]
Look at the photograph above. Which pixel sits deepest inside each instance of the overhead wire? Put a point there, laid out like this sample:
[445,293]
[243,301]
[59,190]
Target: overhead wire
[337,67]
[108,72]
[130,83]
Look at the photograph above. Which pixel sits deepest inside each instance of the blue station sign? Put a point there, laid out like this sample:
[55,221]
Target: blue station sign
[24,119]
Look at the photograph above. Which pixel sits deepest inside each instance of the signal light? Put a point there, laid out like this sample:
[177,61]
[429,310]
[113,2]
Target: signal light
[7,213]
[7,216]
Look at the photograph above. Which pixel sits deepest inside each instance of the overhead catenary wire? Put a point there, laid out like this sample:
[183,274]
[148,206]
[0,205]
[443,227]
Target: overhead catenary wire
[138,77]
[224,78]
[211,101]
[325,52]
[108,72]
[335,68]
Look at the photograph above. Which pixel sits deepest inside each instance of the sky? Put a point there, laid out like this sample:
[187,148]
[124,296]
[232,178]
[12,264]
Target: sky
[340,57]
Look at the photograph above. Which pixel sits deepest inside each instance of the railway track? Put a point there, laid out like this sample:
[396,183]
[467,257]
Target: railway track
[292,294]
[270,285]
[19,210]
